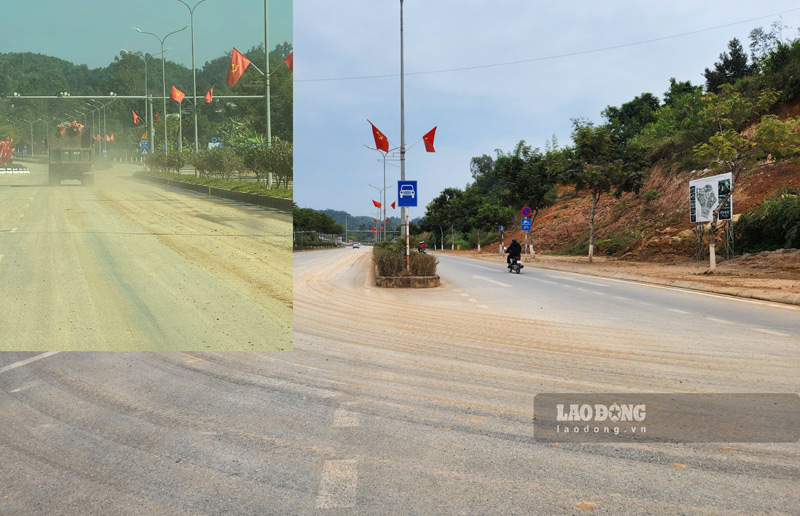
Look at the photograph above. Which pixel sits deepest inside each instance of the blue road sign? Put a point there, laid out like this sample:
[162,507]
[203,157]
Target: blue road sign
[105,152]
[526,224]
[144,145]
[214,139]
[499,228]
[407,193]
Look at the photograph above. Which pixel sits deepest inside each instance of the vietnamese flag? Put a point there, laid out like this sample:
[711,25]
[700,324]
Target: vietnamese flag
[387,220]
[377,205]
[112,137]
[393,203]
[239,64]
[108,138]
[289,61]
[428,140]
[380,139]
[135,118]
[156,117]
[376,220]
[210,95]
[177,95]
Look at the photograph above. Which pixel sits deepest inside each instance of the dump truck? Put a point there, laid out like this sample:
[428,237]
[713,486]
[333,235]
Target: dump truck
[71,155]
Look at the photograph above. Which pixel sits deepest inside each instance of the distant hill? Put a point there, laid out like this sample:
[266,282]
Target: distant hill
[36,74]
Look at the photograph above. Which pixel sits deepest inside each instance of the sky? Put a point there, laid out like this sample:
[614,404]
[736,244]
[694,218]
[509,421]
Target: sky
[486,108]
[93,32]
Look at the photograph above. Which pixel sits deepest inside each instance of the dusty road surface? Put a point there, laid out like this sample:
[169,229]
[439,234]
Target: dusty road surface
[127,265]
[400,402]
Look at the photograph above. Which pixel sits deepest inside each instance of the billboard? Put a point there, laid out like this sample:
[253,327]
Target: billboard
[705,195]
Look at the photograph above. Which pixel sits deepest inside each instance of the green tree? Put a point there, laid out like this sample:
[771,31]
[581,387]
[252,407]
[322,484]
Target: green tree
[601,166]
[732,65]
[628,120]
[527,177]
[443,211]
[678,89]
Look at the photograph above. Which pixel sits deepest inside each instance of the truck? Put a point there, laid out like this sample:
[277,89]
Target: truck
[71,155]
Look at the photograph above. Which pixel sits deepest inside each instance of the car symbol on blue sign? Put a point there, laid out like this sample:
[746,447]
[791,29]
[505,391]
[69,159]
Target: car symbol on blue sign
[407,193]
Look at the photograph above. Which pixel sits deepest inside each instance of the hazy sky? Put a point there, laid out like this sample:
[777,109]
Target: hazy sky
[480,110]
[93,32]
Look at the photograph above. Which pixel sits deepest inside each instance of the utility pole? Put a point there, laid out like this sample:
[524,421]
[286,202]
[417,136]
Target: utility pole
[266,75]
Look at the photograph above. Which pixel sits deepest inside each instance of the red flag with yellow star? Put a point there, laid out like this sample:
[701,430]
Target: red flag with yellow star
[381,142]
[177,95]
[428,140]
[238,65]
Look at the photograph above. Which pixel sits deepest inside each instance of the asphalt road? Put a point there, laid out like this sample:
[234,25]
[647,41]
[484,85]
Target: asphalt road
[131,266]
[397,402]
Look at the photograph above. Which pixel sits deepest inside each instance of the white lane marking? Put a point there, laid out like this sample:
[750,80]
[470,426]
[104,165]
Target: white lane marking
[464,295]
[545,281]
[484,278]
[621,298]
[344,418]
[718,320]
[773,304]
[773,332]
[1,258]
[678,311]
[472,300]
[13,230]
[338,485]
[26,361]
[590,282]
[484,307]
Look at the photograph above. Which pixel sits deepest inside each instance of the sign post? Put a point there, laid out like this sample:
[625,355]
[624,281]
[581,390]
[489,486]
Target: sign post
[500,229]
[526,226]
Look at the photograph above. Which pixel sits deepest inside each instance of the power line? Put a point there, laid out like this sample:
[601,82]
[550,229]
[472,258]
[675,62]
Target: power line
[547,58]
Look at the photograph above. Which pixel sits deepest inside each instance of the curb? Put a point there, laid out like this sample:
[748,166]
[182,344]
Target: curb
[407,281]
[285,205]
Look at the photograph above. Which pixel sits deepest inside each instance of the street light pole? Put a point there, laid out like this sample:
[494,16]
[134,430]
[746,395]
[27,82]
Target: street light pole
[140,55]
[403,209]
[194,75]
[163,76]
[266,75]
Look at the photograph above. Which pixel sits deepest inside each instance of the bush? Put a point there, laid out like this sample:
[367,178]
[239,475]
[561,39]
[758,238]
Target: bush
[390,260]
[773,225]
[650,195]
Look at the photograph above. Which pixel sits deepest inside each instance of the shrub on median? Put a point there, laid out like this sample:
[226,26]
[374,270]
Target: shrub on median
[390,260]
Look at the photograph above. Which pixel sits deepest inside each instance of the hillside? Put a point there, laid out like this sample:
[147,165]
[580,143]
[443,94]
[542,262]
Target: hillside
[633,227]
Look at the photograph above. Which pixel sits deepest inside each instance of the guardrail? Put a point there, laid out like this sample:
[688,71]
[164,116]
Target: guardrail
[260,200]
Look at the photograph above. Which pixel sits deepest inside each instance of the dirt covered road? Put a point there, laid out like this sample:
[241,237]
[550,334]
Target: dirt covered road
[128,266]
[449,375]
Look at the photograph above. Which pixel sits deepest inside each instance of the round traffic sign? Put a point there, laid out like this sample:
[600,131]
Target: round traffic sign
[526,211]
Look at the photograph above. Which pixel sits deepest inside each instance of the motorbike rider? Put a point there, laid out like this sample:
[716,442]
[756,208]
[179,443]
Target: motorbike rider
[422,246]
[514,251]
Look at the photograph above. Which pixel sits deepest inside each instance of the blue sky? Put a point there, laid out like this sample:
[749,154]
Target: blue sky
[92,33]
[480,110]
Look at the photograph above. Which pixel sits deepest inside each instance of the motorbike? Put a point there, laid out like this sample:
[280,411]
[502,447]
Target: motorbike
[515,266]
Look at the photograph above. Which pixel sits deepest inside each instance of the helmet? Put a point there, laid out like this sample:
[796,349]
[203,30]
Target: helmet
[514,240]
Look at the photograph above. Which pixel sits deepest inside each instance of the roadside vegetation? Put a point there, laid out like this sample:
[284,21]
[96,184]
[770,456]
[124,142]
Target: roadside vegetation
[732,123]
[226,184]
[390,260]
[314,229]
